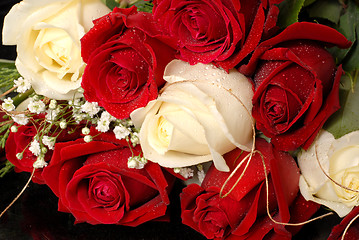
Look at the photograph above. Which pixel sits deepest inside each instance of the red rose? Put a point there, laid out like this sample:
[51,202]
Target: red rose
[296,84]
[125,62]
[242,214]
[94,184]
[220,31]
[19,142]
[352,232]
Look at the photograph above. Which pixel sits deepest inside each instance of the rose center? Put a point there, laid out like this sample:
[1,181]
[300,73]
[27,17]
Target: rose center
[165,130]
[344,169]
[104,190]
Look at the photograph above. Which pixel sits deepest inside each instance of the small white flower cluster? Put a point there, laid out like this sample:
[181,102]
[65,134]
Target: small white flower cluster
[186,172]
[8,105]
[62,115]
[136,162]
[22,84]
[36,105]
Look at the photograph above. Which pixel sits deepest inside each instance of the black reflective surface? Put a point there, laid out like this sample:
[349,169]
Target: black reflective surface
[35,216]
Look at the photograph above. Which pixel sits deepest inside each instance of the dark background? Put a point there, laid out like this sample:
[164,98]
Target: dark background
[35,215]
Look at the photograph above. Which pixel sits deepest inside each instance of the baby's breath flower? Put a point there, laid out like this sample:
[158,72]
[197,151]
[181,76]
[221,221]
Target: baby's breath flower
[91,108]
[49,142]
[53,104]
[185,172]
[43,150]
[19,155]
[8,104]
[63,124]
[79,117]
[51,115]
[22,84]
[40,162]
[13,129]
[103,124]
[75,102]
[36,106]
[35,147]
[121,132]
[135,139]
[88,138]
[85,131]
[136,162]
[20,119]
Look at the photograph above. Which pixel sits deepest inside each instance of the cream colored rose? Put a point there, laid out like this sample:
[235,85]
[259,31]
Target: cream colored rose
[340,160]
[47,34]
[202,113]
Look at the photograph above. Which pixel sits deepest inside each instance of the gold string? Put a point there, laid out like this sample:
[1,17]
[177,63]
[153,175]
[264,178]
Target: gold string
[267,204]
[338,184]
[8,91]
[348,226]
[22,191]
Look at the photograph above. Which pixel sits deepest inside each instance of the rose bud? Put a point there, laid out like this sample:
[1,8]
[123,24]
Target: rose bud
[243,213]
[125,62]
[222,32]
[202,113]
[47,34]
[93,182]
[296,84]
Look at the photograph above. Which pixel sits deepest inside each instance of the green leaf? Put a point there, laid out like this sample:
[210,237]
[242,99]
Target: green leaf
[8,74]
[111,4]
[351,61]
[347,26]
[288,12]
[345,120]
[326,9]
[144,6]
[7,167]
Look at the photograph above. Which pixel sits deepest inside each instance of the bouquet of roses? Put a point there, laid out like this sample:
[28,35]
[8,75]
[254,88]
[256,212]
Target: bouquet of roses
[252,104]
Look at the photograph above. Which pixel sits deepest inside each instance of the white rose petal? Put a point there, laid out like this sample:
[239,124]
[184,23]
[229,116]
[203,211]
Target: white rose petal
[203,113]
[47,34]
[339,159]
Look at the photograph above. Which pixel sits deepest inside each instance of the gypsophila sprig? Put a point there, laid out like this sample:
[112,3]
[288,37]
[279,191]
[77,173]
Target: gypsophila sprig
[49,142]
[22,84]
[91,108]
[8,105]
[36,105]
[20,119]
[103,124]
[136,162]
[121,132]
[35,147]
[184,172]
[40,162]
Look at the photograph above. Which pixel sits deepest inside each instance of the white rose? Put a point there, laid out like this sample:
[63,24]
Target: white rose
[47,34]
[339,158]
[202,113]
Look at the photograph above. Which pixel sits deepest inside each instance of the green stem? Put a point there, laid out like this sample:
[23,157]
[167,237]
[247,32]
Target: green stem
[21,97]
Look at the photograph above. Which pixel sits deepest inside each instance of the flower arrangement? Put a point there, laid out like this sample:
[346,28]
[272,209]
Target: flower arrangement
[250,104]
